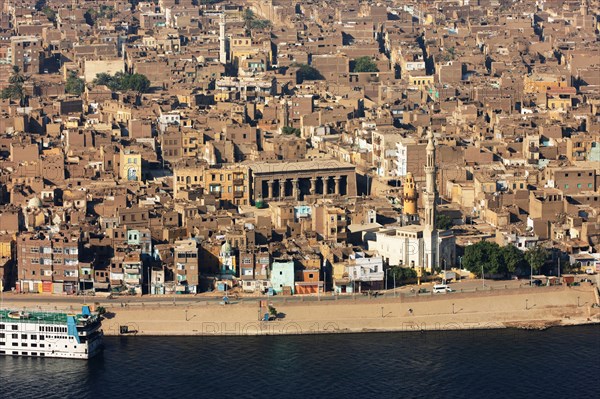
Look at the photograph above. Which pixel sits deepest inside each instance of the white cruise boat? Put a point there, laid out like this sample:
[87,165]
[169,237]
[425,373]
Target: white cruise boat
[50,334]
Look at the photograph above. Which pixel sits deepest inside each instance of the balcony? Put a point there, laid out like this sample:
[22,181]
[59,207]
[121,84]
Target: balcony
[238,194]
[238,182]
[132,270]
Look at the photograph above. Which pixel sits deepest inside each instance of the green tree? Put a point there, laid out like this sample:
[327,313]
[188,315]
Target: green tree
[513,259]
[249,18]
[50,13]
[15,89]
[452,52]
[261,24]
[136,82]
[251,22]
[74,84]
[536,257]
[402,274]
[443,222]
[365,64]
[290,130]
[102,79]
[16,77]
[484,254]
[272,311]
[306,72]
[104,11]
[123,81]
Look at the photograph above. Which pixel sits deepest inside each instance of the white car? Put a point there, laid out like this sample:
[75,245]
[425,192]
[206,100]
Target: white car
[441,288]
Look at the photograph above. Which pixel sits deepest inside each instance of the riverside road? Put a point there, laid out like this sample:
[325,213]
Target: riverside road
[472,285]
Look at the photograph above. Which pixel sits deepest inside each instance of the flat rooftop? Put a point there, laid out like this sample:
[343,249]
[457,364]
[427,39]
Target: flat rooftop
[299,166]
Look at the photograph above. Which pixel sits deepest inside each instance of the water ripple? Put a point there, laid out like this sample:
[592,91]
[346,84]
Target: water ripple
[467,364]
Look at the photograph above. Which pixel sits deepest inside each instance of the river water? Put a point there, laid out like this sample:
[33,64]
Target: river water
[556,363]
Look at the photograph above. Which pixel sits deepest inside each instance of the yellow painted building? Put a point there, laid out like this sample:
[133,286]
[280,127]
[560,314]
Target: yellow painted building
[244,47]
[130,166]
[6,248]
[541,83]
[230,183]
[421,82]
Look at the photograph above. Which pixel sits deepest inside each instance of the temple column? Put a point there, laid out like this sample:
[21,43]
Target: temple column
[337,184]
[270,183]
[282,188]
[295,191]
[313,185]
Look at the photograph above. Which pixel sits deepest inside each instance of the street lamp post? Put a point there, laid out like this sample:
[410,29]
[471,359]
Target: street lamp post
[444,260]
[482,277]
[385,277]
[531,275]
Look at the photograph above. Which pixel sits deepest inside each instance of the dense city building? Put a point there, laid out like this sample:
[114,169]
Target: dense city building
[294,147]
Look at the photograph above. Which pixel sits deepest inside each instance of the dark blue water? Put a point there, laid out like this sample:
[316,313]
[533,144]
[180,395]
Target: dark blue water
[556,363]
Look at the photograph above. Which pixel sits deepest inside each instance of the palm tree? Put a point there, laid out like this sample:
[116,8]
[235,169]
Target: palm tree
[15,90]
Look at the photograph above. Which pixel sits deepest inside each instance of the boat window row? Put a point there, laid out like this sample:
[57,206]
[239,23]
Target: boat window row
[23,353]
[24,344]
[13,327]
[53,329]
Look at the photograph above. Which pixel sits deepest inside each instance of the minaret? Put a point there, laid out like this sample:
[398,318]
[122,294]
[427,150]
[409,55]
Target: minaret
[284,114]
[429,202]
[409,195]
[222,40]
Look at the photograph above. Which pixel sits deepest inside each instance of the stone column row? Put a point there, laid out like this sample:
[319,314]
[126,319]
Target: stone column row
[296,186]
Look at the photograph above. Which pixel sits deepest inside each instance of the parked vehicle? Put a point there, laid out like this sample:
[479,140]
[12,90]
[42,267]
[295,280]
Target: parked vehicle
[441,288]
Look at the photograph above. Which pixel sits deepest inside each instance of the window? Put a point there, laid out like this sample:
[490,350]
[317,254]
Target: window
[23,336]
[14,327]
[578,185]
[589,185]
[566,186]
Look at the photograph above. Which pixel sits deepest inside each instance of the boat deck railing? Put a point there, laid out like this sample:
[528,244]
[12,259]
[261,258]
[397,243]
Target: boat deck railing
[42,317]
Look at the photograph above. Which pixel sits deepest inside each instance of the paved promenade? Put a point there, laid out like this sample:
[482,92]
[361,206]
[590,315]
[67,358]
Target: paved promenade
[518,307]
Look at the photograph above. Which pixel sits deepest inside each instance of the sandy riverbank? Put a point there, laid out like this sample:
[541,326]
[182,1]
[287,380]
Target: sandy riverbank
[509,308]
[512,308]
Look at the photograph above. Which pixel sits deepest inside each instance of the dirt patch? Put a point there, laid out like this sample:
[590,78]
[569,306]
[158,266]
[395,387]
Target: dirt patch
[533,324]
